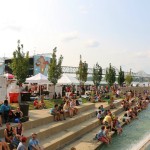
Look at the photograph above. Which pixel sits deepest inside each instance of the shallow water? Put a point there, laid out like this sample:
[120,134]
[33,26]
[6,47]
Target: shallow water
[148,148]
[134,135]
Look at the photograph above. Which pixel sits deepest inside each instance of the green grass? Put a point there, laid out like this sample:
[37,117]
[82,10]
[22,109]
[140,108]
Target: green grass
[48,103]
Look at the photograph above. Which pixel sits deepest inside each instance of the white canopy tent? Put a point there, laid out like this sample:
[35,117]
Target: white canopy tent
[67,80]
[89,83]
[38,78]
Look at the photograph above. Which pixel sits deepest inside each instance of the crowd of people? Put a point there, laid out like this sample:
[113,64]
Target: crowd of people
[68,107]
[15,139]
[132,104]
[7,114]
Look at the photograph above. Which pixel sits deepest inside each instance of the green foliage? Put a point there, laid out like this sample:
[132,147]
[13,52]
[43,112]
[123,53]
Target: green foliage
[82,72]
[97,74]
[20,64]
[110,75]
[129,78]
[121,77]
[55,69]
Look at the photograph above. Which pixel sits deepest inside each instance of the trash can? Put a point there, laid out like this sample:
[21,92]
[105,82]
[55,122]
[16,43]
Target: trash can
[24,107]
[25,96]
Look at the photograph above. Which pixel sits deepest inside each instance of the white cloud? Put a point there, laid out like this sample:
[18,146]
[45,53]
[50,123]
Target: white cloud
[13,28]
[11,25]
[143,54]
[92,43]
[83,10]
[69,36]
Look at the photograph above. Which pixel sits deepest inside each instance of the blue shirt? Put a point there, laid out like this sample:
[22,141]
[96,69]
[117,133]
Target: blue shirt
[33,142]
[5,108]
[100,134]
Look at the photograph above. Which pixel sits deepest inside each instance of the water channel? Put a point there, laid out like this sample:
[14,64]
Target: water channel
[134,135]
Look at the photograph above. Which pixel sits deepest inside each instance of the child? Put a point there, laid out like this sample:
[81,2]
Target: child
[101,136]
[60,109]
[100,116]
[55,113]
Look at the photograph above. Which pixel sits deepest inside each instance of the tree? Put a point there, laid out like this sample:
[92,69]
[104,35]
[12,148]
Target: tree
[82,71]
[20,64]
[129,78]
[121,77]
[110,75]
[55,69]
[97,74]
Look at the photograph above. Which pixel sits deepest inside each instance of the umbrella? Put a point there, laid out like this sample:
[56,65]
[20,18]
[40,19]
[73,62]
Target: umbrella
[9,76]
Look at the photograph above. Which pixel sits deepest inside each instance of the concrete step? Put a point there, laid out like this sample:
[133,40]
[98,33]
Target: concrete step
[59,140]
[55,127]
[46,120]
[86,142]
[40,118]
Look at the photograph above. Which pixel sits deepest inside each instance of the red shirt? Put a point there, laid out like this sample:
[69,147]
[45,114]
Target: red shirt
[35,103]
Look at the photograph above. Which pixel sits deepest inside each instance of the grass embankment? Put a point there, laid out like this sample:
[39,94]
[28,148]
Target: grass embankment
[48,103]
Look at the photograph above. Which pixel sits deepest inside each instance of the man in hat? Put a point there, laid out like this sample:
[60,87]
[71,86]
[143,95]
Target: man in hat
[22,144]
[34,143]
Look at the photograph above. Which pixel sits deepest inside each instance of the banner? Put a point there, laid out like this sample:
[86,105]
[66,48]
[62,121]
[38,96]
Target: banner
[41,63]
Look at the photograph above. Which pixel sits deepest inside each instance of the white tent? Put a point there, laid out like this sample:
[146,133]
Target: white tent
[66,79]
[38,78]
[89,83]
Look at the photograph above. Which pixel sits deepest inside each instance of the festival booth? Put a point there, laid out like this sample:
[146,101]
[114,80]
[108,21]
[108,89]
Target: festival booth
[13,92]
[40,79]
[12,89]
[66,81]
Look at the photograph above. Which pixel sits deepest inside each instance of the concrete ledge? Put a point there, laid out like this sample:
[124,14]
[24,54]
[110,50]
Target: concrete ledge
[38,118]
[86,141]
[71,134]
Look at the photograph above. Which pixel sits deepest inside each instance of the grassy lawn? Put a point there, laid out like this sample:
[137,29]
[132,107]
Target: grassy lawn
[48,103]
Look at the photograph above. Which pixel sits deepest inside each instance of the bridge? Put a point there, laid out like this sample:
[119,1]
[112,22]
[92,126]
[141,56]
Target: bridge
[73,70]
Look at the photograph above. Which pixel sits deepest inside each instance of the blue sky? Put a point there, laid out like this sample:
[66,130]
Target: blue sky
[103,31]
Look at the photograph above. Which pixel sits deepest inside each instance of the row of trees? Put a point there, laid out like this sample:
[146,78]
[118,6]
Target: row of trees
[110,75]
[20,67]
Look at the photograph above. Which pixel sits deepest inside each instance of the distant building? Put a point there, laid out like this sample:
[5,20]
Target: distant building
[38,64]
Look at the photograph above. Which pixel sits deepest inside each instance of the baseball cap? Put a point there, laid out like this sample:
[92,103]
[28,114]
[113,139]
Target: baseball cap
[24,139]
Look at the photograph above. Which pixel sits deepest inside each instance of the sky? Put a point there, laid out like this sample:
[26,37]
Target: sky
[103,31]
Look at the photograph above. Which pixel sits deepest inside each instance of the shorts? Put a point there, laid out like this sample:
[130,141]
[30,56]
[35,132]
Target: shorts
[53,113]
[66,110]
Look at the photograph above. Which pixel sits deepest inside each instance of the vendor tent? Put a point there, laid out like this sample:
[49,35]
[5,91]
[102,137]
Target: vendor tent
[66,79]
[38,78]
[89,83]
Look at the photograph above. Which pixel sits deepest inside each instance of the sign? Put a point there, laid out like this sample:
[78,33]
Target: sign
[41,63]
